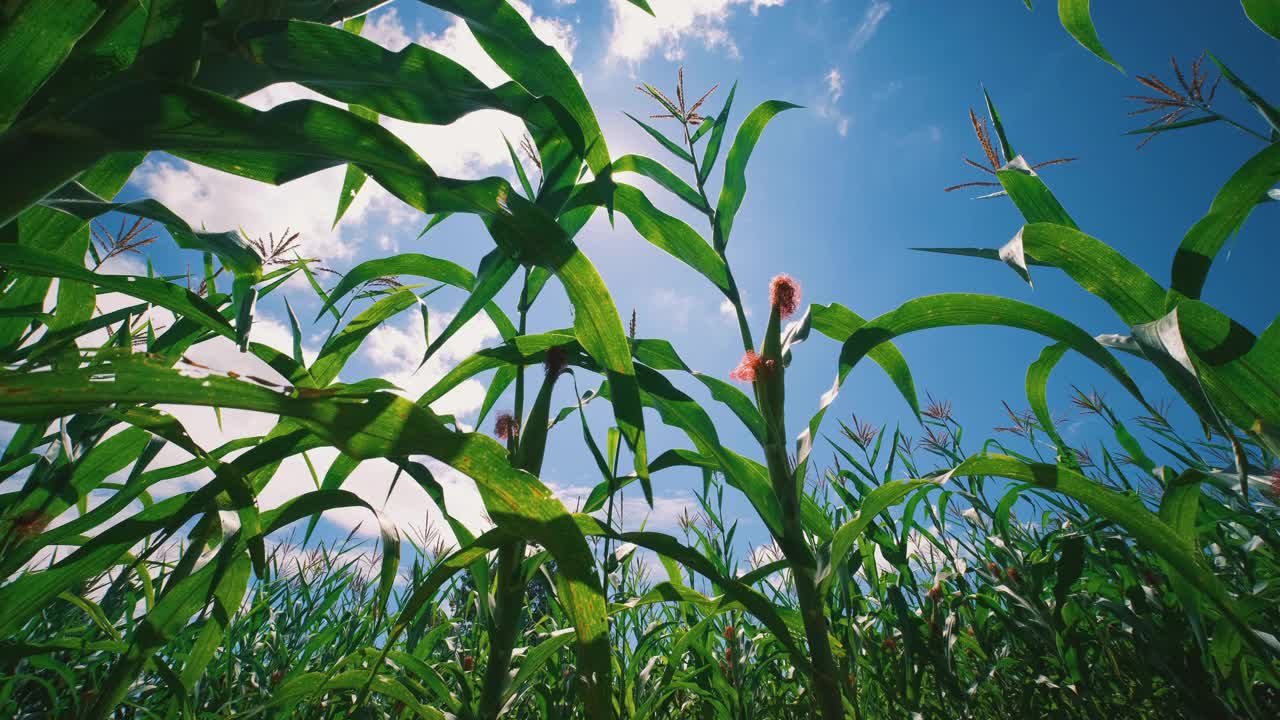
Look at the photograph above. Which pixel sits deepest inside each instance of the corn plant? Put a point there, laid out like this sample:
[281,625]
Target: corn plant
[919,573]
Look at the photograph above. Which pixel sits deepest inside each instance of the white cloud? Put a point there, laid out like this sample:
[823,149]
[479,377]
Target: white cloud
[835,84]
[219,201]
[386,29]
[728,313]
[674,308]
[636,34]
[871,20]
[630,511]
[472,146]
[828,106]
[397,349]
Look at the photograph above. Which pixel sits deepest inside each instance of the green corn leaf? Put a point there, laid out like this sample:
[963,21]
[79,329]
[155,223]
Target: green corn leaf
[735,165]
[1031,195]
[667,546]
[703,128]
[415,265]
[1129,513]
[1093,265]
[351,184]
[235,253]
[508,40]
[520,174]
[665,142]
[355,177]
[1228,212]
[58,233]
[659,173]
[181,301]
[1070,567]
[495,271]
[1006,149]
[1037,397]
[381,426]
[1265,15]
[535,660]
[839,322]
[1161,127]
[1077,20]
[661,355]
[36,39]
[1207,355]
[954,309]
[1264,108]
[712,152]
[875,502]
[335,353]
[665,232]
[415,84]
[984,253]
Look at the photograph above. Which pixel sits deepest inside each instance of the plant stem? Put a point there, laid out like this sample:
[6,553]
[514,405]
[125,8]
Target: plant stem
[508,605]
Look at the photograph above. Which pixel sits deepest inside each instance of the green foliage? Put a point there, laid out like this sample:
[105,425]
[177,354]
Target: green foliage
[1020,575]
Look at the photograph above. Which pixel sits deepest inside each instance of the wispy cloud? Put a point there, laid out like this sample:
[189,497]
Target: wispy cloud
[835,84]
[871,20]
[828,106]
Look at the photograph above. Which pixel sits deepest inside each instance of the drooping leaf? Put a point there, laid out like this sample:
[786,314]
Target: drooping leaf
[1264,14]
[1228,212]
[535,65]
[1077,20]
[954,309]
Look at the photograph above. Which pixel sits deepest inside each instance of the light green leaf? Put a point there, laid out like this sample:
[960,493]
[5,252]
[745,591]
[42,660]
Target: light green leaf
[735,165]
[1075,17]
[1228,212]
[659,173]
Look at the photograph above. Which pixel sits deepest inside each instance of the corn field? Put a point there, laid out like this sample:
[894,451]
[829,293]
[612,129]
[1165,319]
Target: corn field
[920,570]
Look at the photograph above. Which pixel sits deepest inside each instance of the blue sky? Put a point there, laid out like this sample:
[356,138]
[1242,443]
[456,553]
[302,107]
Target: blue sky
[839,192]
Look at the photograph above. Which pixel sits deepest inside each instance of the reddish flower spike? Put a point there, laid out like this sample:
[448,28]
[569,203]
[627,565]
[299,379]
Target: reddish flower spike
[784,294]
[506,426]
[555,361]
[29,524]
[749,369]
